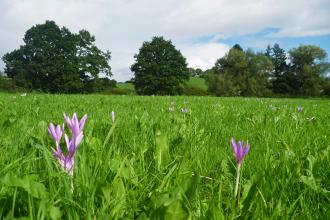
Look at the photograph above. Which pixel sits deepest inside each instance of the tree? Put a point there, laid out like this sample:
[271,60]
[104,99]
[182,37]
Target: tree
[326,86]
[55,60]
[241,72]
[159,68]
[308,64]
[195,72]
[238,47]
[282,79]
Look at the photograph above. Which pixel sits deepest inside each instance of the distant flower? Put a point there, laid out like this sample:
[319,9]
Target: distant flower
[113,116]
[239,150]
[184,110]
[23,94]
[272,108]
[171,108]
[300,109]
[76,127]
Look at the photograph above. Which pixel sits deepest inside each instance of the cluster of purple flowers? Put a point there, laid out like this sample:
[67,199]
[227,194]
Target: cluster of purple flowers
[76,127]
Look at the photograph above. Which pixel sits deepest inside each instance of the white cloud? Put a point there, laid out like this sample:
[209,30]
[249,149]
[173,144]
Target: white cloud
[204,56]
[122,25]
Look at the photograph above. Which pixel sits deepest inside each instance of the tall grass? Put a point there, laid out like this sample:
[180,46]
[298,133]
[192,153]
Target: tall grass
[156,164]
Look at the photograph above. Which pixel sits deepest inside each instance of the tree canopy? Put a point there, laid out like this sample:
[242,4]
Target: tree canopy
[159,68]
[241,72]
[301,72]
[53,59]
[308,64]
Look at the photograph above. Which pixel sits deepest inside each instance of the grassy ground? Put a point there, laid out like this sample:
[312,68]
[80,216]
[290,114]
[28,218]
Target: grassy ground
[126,86]
[195,82]
[156,164]
[198,83]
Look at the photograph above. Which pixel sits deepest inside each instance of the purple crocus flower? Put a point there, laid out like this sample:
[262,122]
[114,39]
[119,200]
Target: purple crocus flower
[76,126]
[300,109]
[239,150]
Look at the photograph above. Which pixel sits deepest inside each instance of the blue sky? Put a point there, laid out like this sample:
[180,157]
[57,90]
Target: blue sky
[203,30]
[259,40]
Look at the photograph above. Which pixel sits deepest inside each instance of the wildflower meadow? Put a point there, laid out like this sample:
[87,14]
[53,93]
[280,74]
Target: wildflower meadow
[160,157]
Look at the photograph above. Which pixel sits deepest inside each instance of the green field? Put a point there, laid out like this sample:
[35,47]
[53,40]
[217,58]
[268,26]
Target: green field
[156,164]
[195,82]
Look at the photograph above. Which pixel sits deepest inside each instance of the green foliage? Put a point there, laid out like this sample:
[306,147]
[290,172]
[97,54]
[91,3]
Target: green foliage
[241,73]
[245,73]
[159,68]
[326,87]
[155,164]
[195,72]
[7,85]
[222,85]
[308,65]
[53,59]
[196,86]
[283,81]
[124,89]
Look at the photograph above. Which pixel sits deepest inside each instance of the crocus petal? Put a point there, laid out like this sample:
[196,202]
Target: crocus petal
[58,152]
[68,143]
[68,164]
[240,152]
[58,133]
[82,122]
[78,140]
[75,119]
[246,149]
[51,130]
[234,146]
[68,120]
[75,125]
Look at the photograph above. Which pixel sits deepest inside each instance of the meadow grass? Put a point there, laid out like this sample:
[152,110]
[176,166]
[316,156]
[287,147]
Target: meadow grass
[156,164]
[197,82]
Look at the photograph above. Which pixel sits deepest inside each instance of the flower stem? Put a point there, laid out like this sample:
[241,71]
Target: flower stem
[237,179]
[71,180]
[72,187]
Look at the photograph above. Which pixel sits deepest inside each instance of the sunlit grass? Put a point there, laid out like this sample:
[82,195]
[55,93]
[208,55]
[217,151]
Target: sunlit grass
[156,164]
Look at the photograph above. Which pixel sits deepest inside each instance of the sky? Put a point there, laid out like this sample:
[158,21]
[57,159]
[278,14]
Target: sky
[203,30]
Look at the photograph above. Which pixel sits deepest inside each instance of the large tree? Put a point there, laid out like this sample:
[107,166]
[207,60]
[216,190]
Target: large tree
[159,68]
[53,59]
[308,64]
[283,81]
[241,72]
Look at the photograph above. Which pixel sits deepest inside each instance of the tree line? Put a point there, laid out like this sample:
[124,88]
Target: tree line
[55,60]
[300,72]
